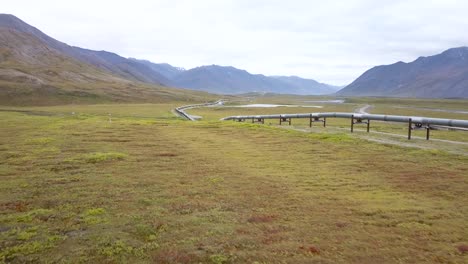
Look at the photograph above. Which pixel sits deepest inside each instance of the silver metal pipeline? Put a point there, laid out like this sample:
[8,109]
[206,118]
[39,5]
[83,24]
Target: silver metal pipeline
[426,121]
[181,110]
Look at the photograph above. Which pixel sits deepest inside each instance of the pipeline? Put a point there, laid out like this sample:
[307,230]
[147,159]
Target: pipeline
[418,122]
[181,110]
[390,118]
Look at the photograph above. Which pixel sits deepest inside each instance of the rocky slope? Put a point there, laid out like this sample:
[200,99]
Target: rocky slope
[440,76]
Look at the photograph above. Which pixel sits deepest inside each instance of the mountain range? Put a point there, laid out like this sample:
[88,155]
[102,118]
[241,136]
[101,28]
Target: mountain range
[230,80]
[37,69]
[443,75]
[25,49]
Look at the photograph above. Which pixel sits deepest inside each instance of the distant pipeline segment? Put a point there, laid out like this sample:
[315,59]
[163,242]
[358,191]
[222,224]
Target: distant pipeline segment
[181,110]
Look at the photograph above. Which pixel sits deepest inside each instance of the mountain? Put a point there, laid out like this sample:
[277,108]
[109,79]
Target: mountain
[41,65]
[230,80]
[123,67]
[165,69]
[224,80]
[37,71]
[308,86]
[440,76]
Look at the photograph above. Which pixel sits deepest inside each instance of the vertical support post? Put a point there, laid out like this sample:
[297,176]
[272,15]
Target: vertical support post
[310,122]
[324,122]
[368,125]
[290,121]
[427,132]
[263,120]
[352,123]
[253,120]
[409,129]
[281,120]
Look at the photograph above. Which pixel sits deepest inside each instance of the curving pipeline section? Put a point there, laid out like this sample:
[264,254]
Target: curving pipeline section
[414,122]
[181,110]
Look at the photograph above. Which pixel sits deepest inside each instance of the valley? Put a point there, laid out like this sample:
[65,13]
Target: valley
[108,158]
[134,183]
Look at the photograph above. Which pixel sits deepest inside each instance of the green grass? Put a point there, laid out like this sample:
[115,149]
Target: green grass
[101,157]
[149,187]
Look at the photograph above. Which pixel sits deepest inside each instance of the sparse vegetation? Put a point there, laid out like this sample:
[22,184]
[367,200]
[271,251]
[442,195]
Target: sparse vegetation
[149,187]
[100,157]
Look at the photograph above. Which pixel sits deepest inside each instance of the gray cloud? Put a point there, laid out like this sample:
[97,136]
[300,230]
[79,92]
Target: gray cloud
[331,41]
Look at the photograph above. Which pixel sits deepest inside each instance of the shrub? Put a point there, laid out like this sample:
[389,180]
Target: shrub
[100,157]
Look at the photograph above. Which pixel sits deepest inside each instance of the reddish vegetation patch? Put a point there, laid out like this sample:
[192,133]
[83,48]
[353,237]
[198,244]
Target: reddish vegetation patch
[314,250]
[341,224]
[242,231]
[463,248]
[272,239]
[166,155]
[311,249]
[261,219]
[18,206]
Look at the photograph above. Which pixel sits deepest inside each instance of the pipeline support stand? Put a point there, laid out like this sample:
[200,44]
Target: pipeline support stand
[284,119]
[359,121]
[409,128]
[316,119]
[258,120]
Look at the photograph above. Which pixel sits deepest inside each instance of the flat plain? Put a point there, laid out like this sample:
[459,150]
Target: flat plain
[133,183]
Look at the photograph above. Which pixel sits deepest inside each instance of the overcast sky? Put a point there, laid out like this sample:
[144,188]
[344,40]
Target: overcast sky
[330,41]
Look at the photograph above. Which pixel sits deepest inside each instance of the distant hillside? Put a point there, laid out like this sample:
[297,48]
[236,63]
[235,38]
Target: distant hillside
[229,80]
[29,58]
[126,68]
[165,69]
[308,86]
[440,76]
[224,80]
[34,72]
